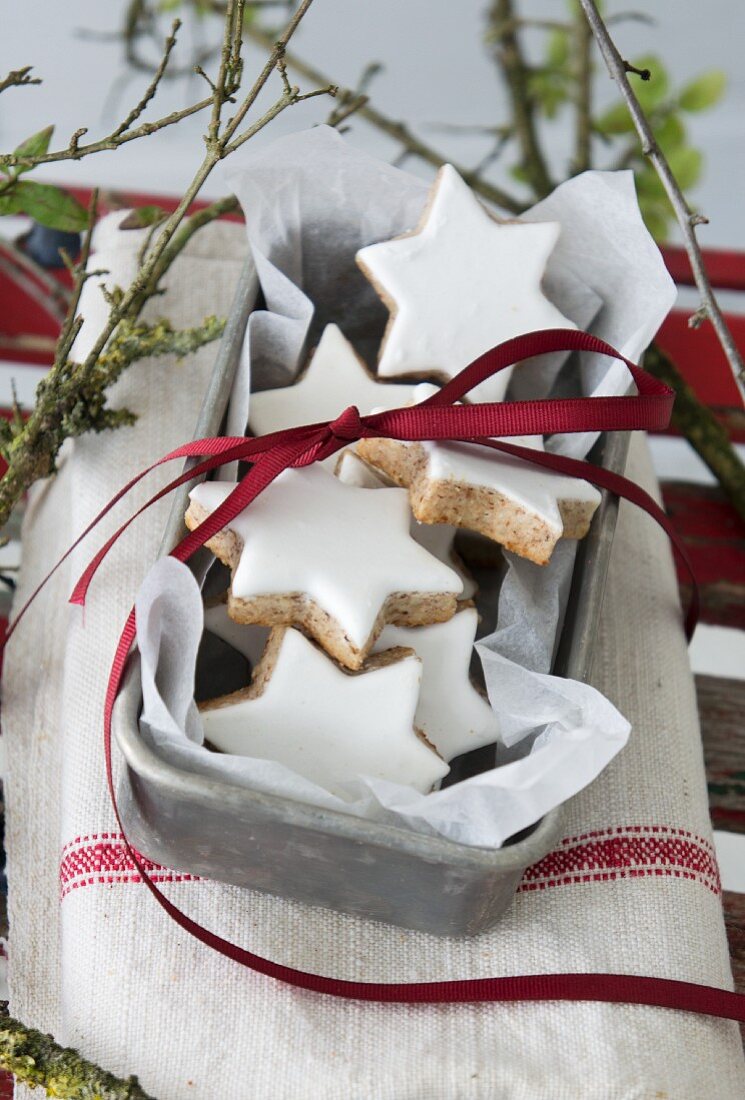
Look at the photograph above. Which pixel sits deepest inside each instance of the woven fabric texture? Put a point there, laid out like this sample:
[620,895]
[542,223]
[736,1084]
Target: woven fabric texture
[632,888]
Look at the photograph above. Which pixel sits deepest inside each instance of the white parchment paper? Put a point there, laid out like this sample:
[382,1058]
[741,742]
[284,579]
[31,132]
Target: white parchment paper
[311,201]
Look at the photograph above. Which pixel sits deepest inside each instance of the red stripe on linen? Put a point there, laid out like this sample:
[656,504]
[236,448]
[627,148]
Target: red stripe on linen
[105,862]
[629,852]
[101,859]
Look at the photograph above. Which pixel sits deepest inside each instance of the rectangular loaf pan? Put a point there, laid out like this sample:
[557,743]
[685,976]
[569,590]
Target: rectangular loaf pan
[211,828]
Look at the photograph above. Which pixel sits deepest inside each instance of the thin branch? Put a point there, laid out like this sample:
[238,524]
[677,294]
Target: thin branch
[515,71]
[80,275]
[152,87]
[687,220]
[233,22]
[180,239]
[276,55]
[582,63]
[396,130]
[71,398]
[123,132]
[19,78]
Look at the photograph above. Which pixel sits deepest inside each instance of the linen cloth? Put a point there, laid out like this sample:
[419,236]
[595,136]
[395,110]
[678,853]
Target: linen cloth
[632,888]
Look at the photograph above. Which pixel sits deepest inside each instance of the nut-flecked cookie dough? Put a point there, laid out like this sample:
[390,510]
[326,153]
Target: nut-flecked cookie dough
[332,558]
[525,508]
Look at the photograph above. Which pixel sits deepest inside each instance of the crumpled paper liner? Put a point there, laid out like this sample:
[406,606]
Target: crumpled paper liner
[311,201]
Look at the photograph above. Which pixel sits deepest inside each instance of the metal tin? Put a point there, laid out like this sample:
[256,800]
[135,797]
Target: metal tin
[211,828]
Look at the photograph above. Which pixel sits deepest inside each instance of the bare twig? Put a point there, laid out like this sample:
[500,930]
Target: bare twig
[514,68]
[152,87]
[19,78]
[188,228]
[687,220]
[396,130]
[71,398]
[123,132]
[582,62]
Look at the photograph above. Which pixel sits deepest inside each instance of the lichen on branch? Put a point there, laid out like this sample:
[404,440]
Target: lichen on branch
[72,397]
[39,1062]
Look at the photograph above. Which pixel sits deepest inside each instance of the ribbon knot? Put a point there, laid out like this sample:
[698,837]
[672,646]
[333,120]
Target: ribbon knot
[348,426]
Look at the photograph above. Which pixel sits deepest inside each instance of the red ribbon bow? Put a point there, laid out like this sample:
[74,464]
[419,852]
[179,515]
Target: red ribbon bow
[437,418]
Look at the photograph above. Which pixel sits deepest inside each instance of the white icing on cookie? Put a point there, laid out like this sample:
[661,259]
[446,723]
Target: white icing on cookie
[334,379]
[347,548]
[330,726]
[437,538]
[534,488]
[460,284]
[451,713]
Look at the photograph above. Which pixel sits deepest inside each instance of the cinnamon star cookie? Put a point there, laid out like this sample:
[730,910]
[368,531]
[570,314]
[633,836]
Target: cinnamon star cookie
[332,558]
[437,538]
[525,508]
[451,713]
[334,378]
[459,284]
[326,724]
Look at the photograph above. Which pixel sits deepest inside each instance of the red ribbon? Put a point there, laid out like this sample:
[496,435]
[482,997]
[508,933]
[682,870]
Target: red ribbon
[436,418]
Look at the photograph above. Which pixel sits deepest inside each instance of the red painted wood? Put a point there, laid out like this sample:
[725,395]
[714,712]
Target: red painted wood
[725,269]
[700,359]
[21,315]
[714,536]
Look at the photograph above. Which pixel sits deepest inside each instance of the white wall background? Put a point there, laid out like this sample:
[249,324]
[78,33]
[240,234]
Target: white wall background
[436,71]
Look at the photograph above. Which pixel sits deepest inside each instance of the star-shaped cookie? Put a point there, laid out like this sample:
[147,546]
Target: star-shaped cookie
[525,508]
[333,558]
[459,284]
[334,379]
[326,724]
[437,538]
[451,713]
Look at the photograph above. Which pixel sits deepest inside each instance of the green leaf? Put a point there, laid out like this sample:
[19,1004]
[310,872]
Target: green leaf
[518,173]
[657,219]
[46,204]
[557,50]
[616,120]
[548,90]
[650,93]
[704,91]
[34,146]
[670,134]
[143,217]
[649,185]
[686,165]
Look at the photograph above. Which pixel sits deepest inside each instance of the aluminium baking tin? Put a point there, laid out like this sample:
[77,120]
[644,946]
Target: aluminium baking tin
[209,827]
